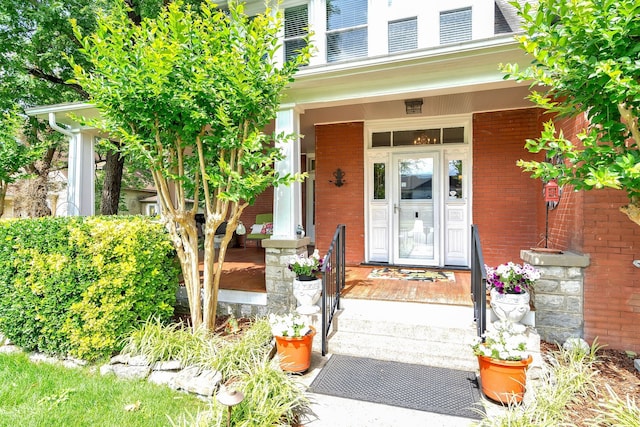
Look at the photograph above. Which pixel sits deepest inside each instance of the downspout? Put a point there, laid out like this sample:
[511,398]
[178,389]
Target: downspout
[54,126]
[71,159]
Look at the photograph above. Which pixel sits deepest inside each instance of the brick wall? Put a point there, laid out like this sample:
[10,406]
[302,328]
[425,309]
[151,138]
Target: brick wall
[507,204]
[566,221]
[612,284]
[340,146]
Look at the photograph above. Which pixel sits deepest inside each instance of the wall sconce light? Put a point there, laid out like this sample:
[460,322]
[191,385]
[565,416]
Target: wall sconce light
[338,174]
[413,106]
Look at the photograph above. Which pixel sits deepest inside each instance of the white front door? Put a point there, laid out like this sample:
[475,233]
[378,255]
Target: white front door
[415,195]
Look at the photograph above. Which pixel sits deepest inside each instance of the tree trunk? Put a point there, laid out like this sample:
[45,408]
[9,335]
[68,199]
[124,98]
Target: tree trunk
[632,210]
[112,183]
[3,194]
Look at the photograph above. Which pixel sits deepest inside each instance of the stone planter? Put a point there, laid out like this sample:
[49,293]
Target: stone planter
[307,293]
[510,307]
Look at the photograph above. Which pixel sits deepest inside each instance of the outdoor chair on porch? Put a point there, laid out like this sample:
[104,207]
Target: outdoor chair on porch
[262,229]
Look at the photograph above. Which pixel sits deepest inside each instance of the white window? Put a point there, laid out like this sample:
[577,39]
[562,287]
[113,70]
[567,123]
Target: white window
[455,26]
[346,29]
[403,35]
[296,27]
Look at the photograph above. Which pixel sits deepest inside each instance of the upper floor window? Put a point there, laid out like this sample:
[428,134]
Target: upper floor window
[296,28]
[455,25]
[403,35]
[346,29]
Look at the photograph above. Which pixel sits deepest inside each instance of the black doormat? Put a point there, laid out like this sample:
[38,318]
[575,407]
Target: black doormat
[425,388]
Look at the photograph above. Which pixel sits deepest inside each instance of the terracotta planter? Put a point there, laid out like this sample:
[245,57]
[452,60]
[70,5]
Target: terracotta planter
[295,352]
[503,380]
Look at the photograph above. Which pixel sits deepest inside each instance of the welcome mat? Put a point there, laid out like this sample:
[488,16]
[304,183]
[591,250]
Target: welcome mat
[424,388]
[399,273]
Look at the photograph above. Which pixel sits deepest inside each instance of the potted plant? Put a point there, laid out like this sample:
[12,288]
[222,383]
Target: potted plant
[294,341]
[306,286]
[509,286]
[305,267]
[503,361]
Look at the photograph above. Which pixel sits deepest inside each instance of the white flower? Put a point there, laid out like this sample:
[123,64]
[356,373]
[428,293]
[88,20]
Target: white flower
[504,341]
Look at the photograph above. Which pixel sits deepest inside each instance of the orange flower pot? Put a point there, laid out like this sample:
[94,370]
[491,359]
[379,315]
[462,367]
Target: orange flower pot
[503,380]
[295,352]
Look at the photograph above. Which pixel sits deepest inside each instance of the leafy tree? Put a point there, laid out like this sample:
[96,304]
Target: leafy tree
[587,60]
[34,37]
[14,155]
[189,94]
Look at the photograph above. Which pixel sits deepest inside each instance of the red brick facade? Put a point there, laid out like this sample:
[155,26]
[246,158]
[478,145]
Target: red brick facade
[340,146]
[508,207]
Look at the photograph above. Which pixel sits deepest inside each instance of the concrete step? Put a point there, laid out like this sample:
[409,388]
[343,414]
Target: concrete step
[429,334]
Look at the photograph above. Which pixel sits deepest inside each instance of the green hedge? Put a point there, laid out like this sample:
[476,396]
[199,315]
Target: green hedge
[77,285]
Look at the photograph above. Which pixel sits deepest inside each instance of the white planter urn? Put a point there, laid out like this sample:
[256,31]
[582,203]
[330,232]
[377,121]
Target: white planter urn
[510,307]
[307,293]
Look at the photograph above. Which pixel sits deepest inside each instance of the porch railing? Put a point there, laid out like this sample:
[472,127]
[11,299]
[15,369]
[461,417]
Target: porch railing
[478,282]
[333,277]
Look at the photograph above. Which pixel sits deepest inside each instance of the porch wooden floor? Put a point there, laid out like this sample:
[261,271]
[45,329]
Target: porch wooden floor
[243,270]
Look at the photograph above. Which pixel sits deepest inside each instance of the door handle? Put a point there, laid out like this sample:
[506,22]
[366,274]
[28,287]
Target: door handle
[395,208]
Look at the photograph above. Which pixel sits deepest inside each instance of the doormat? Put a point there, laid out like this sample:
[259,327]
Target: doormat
[398,273]
[424,388]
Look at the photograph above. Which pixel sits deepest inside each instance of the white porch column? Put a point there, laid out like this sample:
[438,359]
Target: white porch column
[80,185]
[287,200]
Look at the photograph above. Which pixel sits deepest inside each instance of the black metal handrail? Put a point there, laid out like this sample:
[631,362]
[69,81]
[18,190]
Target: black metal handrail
[478,281]
[333,278]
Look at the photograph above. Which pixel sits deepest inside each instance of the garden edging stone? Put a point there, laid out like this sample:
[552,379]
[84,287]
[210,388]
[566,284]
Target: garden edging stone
[171,373]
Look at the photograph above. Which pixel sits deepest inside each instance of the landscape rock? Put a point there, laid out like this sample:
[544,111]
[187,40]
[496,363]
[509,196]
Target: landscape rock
[106,369]
[184,377]
[8,349]
[41,357]
[576,342]
[169,365]
[138,361]
[120,358]
[162,377]
[131,372]
[636,363]
[205,383]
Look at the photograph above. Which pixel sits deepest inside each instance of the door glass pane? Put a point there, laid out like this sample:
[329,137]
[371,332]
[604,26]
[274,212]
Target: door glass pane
[381,139]
[379,184]
[416,137]
[416,210]
[455,179]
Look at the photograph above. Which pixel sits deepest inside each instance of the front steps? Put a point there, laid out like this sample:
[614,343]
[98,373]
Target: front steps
[427,334]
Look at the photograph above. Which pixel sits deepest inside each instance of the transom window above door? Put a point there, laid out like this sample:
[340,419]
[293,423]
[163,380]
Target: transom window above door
[434,136]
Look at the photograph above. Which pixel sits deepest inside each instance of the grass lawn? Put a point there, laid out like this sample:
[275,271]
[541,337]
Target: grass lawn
[48,395]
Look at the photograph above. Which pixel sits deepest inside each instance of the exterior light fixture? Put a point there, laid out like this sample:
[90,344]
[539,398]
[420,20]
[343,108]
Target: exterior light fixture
[229,398]
[339,175]
[413,106]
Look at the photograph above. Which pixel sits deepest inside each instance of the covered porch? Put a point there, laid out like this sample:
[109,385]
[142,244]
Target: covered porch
[244,271]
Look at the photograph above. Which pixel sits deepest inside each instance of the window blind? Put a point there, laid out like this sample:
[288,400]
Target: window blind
[296,27]
[347,35]
[455,26]
[403,35]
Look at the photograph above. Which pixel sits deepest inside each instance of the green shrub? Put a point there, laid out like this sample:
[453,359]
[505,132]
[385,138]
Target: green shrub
[78,285]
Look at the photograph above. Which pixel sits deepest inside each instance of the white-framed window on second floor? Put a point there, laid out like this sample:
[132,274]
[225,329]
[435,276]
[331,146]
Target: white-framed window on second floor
[347,36]
[403,35]
[455,25]
[296,28]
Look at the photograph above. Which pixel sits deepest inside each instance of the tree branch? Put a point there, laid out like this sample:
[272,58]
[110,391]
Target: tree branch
[57,80]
